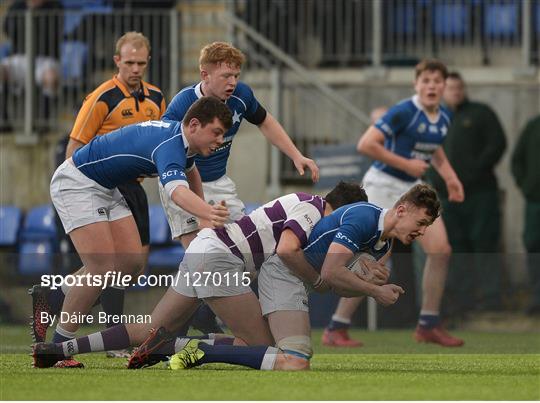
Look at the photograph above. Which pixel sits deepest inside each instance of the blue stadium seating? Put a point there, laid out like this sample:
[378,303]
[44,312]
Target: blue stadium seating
[10,224]
[451,19]
[73,56]
[39,224]
[36,258]
[164,253]
[502,20]
[38,241]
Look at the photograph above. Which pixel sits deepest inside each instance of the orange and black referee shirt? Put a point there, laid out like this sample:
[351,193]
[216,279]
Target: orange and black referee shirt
[111,106]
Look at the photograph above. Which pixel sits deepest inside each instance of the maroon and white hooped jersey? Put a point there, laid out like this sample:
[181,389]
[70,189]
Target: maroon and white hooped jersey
[254,237]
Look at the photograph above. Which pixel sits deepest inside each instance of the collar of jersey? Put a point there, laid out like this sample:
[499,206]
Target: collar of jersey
[381,227]
[417,103]
[198,90]
[185,140]
[125,91]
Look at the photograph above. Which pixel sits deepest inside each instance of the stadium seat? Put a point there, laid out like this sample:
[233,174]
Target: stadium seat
[10,224]
[36,258]
[38,241]
[164,253]
[39,224]
[501,20]
[73,56]
[159,227]
[451,19]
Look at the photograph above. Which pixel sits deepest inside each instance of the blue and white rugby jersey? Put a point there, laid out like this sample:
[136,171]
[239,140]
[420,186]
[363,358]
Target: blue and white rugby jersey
[242,104]
[151,148]
[254,237]
[356,226]
[409,133]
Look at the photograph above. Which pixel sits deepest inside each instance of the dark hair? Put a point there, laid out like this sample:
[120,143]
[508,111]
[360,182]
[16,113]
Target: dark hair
[346,193]
[423,196]
[206,109]
[455,75]
[431,65]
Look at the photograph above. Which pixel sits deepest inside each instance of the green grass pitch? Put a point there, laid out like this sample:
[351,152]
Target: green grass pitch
[391,366]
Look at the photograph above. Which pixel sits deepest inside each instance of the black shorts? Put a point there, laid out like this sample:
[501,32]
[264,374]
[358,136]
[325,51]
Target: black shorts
[136,199]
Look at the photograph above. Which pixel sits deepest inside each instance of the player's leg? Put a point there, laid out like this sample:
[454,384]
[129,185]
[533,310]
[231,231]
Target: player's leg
[103,247]
[336,333]
[437,248]
[292,332]
[171,311]
[184,228]
[460,283]
[112,298]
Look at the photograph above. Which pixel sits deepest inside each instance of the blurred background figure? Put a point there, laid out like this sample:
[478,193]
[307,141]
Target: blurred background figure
[474,145]
[526,171]
[47,24]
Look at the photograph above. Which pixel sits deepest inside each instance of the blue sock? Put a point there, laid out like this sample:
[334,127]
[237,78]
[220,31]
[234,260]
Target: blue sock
[247,356]
[61,335]
[338,323]
[429,321]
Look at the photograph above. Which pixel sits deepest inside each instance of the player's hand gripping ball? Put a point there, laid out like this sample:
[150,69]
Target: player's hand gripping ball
[368,269]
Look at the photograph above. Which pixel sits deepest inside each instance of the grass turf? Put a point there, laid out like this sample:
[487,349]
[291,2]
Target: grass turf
[501,366]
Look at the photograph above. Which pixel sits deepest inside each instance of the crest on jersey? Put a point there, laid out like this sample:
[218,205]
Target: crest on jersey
[422,128]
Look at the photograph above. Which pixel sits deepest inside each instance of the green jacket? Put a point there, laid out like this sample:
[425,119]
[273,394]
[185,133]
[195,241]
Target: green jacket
[526,161]
[474,145]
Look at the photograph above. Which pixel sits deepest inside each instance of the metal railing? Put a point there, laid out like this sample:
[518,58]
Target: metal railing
[324,33]
[286,37]
[53,59]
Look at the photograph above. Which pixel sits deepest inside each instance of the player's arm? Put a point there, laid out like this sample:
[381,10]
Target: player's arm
[195,181]
[88,122]
[289,250]
[372,144]
[216,215]
[345,283]
[72,146]
[276,135]
[443,167]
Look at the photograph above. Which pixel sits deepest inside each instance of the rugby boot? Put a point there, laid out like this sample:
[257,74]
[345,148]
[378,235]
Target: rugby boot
[437,335]
[339,338]
[189,357]
[39,305]
[144,356]
[45,356]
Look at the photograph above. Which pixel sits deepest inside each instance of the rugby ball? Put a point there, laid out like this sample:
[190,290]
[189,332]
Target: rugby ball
[359,267]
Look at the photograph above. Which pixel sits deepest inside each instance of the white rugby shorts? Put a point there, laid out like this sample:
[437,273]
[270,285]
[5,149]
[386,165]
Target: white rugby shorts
[80,200]
[181,222]
[209,269]
[384,190]
[280,289]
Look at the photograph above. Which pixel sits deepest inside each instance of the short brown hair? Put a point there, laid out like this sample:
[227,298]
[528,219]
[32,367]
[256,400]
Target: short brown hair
[431,65]
[422,196]
[346,193]
[455,76]
[221,52]
[206,109]
[137,39]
